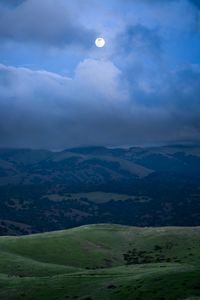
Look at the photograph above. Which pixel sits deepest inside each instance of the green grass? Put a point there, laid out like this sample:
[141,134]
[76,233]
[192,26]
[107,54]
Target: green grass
[88,263]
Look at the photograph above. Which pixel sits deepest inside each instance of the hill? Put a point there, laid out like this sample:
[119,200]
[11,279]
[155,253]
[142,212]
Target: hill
[43,191]
[102,262]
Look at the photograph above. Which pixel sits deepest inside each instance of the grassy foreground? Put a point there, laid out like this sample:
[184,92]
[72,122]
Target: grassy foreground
[102,262]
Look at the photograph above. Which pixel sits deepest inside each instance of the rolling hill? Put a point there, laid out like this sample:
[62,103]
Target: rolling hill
[102,262]
[43,190]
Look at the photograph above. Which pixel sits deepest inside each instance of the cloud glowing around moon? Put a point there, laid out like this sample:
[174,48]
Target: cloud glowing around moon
[100,42]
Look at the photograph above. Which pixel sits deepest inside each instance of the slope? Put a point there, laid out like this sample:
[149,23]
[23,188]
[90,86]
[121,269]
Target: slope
[102,262]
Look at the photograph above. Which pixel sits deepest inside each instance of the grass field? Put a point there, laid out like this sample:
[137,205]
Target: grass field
[96,197]
[102,262]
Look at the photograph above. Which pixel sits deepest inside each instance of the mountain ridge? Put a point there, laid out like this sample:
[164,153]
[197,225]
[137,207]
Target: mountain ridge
[47,190]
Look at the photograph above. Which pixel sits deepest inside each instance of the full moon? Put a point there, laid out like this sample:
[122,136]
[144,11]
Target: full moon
[100,42]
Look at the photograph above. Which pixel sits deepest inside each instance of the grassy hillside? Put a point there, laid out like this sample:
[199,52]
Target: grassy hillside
[102,262]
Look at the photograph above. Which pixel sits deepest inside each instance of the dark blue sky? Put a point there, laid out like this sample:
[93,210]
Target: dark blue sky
[57,89]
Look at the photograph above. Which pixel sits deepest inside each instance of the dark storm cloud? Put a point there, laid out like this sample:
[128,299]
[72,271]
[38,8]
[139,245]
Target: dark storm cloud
[46,22]
[41,109]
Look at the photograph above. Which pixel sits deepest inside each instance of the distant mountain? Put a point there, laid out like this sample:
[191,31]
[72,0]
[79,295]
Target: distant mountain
[42,190]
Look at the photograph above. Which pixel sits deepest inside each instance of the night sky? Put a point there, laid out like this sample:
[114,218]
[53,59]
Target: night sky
[58,90]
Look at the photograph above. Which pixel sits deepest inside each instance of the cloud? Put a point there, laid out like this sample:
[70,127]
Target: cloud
[11,3]
[46,110]
[46,22]
[39,108]
[140,38]
[195,2]
[143,87]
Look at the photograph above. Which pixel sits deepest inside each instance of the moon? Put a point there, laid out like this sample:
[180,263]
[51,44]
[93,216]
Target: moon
[100,42]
